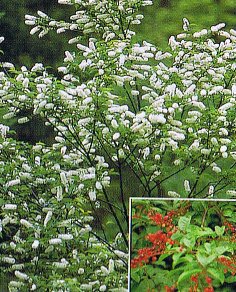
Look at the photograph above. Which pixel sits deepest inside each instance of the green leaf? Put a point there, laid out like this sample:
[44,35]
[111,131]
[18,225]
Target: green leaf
[185,259]
[184,223]
[150,270]
[205,260]
[161,258]
[135,276]
[189,241]
[228,213]
[162,277]
[208,247]
[219,230]
[186,275]
[145,285]
[221,249]
[217,274]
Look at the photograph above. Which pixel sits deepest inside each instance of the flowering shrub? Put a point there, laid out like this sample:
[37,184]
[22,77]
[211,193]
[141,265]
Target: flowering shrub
[183,245]
[119,109]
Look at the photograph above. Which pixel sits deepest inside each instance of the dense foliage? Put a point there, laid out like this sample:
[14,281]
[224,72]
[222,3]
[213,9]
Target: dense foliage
[116,107]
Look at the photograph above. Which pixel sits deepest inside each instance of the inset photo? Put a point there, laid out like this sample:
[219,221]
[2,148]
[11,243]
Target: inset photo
[182,245]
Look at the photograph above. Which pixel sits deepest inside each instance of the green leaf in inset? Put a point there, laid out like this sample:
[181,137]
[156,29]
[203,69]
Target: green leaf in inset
[217,274]
[205,260]
[185,276]
[135,276]
[219,230]
[184,223]
[189,242]
[208,247]
[145,285]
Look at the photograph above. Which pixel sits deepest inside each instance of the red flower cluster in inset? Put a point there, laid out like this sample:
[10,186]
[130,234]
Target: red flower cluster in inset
[229,263]
[195,280]
[159,240]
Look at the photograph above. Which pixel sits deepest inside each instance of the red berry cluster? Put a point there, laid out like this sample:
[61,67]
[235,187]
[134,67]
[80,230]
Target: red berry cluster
[209,288]
[170,289]
[229,263]
[195,280]
[232,229]
[159,239]
[230,226]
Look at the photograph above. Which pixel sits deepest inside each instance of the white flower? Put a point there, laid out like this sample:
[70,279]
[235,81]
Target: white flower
[217,27]
[33,287]
[187,186]
[37,67]
[69,57]
[195,145]
[234,90]
[3,130]
[114,124]
[176,136]
[15,284]
[146,152]
[104,270]
[223,148]
[21,276]
[9,207]
[1,39]
[211,190]
[55,241]
[8,65]
[111,266]
[63,178]
[92,195]
[23,120]
[42,14]
[30,22]
[8,260]
[37,160]
[35,244]
[26,223]
[12,183]
[87,287]
[103,288]
[98,185]
[121,254]
[216,169]
[65,236]
[173,194]
[116,136]
[154,118]
[80,271]
[34,30]
[60,265]
[47,218]
[185,24]
[64,2]
[59,193]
